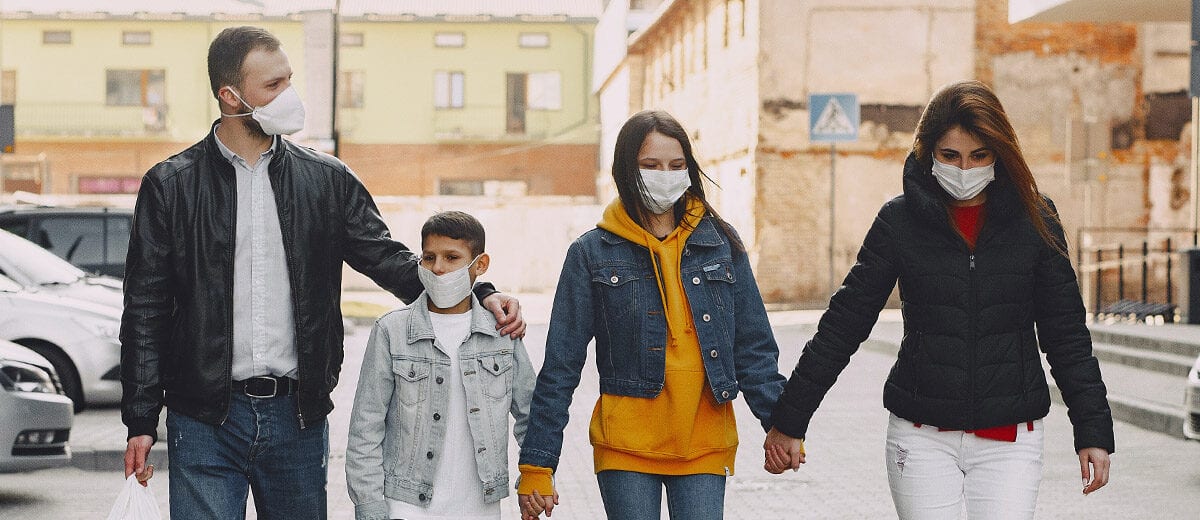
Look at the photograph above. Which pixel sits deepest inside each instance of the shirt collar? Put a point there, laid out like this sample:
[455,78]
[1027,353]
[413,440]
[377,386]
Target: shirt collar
[230,156]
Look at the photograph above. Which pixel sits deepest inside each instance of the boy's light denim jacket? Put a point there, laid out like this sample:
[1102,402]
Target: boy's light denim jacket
[608,291]
[405,382]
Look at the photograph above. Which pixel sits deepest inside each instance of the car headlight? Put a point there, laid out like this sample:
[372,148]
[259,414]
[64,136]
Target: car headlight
[16,376]
[108,329]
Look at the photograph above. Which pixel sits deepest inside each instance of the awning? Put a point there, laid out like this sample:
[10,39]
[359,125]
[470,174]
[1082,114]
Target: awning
[1099,11]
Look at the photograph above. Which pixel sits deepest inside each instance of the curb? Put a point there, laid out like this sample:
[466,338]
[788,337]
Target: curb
[90,459]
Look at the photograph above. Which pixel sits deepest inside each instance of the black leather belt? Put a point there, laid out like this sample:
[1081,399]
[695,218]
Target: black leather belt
[264,387]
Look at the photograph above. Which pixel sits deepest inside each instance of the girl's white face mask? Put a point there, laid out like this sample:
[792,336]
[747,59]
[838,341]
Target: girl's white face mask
[282,116]
[663,188]
[449,289]
[963,184]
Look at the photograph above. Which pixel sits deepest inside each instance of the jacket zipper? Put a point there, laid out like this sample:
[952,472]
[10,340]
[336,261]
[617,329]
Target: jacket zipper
[972,339]
[288,248]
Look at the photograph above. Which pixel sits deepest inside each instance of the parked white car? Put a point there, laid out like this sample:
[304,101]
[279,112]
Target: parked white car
[39,270]
[78,337]
[35,416]
[1191,403]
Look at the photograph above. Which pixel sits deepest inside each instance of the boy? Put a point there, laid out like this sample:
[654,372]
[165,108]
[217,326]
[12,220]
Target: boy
[428,432]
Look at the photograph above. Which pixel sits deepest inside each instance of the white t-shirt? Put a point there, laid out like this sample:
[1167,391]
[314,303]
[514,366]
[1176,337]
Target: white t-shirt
[457,491]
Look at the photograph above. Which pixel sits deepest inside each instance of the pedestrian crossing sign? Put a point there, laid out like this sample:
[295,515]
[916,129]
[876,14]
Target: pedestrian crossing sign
[833,117]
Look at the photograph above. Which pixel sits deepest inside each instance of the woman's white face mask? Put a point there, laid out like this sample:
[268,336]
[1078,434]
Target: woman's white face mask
[963,184]
[663,188]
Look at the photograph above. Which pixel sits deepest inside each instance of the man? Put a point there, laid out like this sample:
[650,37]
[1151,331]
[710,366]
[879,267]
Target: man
[232,291]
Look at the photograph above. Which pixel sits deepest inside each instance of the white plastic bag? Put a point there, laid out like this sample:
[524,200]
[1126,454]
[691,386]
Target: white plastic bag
[135,502]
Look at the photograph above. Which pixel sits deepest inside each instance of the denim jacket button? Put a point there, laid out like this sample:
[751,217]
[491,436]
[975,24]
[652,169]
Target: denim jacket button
[421,497]
[695,280]
[412,373]
[439,380]
[429,455]
[706,317]
[687,252]
[725,394]
[437,416]
[712,353]
[614,279]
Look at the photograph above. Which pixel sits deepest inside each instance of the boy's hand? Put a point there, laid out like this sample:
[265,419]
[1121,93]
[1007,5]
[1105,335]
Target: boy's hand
[508,314]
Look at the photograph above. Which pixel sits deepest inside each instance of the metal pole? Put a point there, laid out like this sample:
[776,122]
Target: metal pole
[1099,280]
[1194,92]
[832,213]
[1145,270]
[1169,301]
[1120,272]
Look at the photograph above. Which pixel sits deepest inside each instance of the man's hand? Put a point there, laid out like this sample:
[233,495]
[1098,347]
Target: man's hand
[1093,466]
[136,452]
[782,452]
[533,505]
[508,314]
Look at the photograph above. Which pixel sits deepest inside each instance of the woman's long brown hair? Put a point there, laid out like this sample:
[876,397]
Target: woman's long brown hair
[972,106]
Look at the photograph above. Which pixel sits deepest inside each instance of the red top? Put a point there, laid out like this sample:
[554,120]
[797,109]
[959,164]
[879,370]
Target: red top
[968,220]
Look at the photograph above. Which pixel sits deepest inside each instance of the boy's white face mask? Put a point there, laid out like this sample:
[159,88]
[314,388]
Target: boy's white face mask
[663,188]
[449,289]
[963,184]
[284,115]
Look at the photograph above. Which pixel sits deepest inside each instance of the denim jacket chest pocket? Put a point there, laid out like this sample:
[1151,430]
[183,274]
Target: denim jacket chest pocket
[619,287]
[719,282]
[412,379]
[495,374]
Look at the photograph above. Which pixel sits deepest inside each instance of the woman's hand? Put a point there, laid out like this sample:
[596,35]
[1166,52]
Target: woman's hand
[533,505]
[1093,466]
[782,452]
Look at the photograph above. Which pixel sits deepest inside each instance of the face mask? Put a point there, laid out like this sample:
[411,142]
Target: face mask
[963,184]
[449,289]
[663,188]
[283,115]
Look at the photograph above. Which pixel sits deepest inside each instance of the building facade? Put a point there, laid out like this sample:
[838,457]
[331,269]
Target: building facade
[1096,106]
[431,98]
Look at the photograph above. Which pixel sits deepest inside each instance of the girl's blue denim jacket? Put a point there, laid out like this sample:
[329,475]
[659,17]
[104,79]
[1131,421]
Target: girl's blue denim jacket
[608,291]
[395,436]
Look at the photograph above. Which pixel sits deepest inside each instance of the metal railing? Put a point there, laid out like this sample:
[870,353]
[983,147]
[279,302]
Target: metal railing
[89,119]
[1127,274]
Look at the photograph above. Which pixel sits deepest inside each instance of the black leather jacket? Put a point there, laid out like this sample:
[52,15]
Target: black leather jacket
[973,320]
[177,328]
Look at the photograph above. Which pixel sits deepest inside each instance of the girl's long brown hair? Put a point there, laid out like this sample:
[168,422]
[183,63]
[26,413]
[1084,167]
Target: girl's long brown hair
[972,106]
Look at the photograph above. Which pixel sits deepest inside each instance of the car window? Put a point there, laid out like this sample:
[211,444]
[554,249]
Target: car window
[79,240]
[16,227]
[117,240]
[30,264]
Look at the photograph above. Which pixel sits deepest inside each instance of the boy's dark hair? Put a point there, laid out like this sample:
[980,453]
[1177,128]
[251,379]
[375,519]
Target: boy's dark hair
[229,49]
[456,225]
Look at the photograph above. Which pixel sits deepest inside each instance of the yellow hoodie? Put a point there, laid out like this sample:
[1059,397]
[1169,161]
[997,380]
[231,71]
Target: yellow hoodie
[683,430]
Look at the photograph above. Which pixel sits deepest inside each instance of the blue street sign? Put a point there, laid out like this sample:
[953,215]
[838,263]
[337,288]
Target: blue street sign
[833,117]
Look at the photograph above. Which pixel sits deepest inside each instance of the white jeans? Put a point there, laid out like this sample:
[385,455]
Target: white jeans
[931,472]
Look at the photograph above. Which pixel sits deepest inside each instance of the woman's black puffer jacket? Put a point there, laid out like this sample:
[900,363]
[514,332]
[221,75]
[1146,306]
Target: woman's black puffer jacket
[973,320]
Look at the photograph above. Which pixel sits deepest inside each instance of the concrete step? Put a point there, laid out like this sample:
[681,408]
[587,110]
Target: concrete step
[1163,362]
[1182,340]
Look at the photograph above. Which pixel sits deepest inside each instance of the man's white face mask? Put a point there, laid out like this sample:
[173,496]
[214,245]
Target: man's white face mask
[283,115]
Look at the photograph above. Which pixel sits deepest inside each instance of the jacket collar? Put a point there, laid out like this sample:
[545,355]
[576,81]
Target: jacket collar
[217,157]
[420,327]
[928,201]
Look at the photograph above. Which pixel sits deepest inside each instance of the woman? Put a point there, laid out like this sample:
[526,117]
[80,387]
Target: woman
[985,281]
[664,287]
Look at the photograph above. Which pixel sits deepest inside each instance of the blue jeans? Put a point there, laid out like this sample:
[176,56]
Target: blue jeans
[629,495]
[260,447]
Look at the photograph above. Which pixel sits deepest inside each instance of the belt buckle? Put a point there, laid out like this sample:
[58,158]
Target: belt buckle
[274,387]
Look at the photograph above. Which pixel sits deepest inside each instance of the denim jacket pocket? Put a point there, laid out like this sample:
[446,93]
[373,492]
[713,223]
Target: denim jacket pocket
[618,288]
[496,375]
[411,380]
[720,280]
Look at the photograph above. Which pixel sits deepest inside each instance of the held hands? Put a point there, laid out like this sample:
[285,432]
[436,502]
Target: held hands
[1093,466]
[136,452]
[508,314]
[533,505]
[782,452]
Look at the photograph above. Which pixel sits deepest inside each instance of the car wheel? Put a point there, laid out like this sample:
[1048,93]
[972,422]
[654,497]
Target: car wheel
[67,375]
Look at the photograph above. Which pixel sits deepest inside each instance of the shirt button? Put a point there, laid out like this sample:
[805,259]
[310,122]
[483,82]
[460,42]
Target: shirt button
[437,416]
[695,280]
[706,317]
[429,455]
[614,279]
[439,380]
[712,353]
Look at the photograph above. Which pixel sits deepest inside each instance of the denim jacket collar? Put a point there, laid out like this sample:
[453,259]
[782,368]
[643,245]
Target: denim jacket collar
[705,235]
[420,326]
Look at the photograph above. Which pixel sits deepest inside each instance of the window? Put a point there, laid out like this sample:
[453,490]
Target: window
[350,88]
[8,87]
[135,88]
[534,40]
[449,39]
[354,39]
[79,240]
[448,89]
[545,90]
[460,187]
[56,37]
[135,37]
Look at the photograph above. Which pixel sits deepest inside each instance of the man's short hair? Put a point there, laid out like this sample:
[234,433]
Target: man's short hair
[229,49]
[456,225]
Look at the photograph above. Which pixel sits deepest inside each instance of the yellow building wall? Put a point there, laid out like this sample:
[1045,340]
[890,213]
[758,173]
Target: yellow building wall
[400,59]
